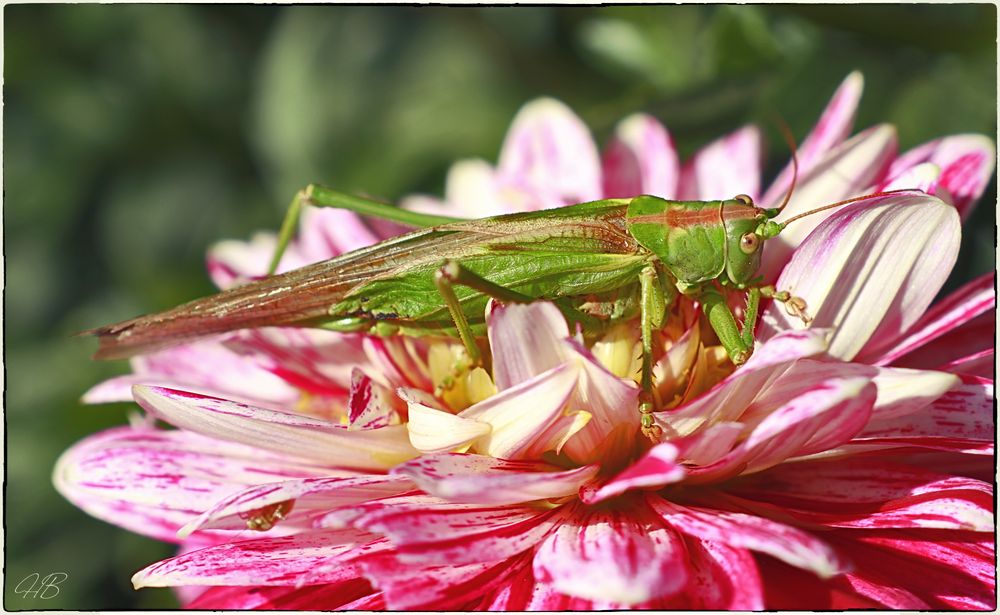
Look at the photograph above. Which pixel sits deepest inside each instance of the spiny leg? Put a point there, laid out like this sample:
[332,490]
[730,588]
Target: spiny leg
[452,272]
[714,305]
[318,196]
[653,307]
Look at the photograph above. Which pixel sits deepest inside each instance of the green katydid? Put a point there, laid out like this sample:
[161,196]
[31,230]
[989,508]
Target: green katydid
[600,262]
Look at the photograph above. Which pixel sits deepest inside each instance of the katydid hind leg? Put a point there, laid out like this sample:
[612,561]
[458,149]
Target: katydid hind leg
[653,306]
[319,196]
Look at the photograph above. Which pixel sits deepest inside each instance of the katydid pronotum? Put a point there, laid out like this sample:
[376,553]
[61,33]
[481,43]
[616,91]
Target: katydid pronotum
[600,263]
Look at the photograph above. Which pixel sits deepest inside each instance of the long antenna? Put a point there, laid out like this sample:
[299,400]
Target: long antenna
[845,202]
[786,132]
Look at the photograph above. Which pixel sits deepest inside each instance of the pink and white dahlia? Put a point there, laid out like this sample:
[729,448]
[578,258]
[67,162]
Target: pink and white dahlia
[845,465]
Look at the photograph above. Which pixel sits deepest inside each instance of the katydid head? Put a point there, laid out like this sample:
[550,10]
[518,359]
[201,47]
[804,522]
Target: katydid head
[747,228]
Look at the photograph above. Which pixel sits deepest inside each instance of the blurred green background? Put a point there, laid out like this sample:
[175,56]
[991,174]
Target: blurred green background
[136,135]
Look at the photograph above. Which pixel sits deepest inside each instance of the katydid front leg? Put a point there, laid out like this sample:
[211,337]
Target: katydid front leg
[738,344]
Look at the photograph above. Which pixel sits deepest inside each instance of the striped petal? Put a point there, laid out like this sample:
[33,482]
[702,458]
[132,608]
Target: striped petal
[728,399]
[788,544]
[843,172]
[658,467]
[724,168]
[833,127]
[976,364]
[484,480]
[519,416]
[437,588]
[525,339]
[828,413]
[966,161]
[313,439]
[721,578]
[549,150]
[944,321]
[288,598]
[205,366]
[625,557]
[870,271]
[309,495]
[265,561]
[870,493]
[459,535]
[640,159]
[153,482]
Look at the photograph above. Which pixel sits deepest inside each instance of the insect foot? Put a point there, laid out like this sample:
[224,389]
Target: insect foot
[796,306]
[649,428]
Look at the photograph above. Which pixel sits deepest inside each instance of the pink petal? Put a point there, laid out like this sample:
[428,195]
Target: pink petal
[309,598]
[265,561]
[319,362]
[526,340]
[658,467]
[520,415]
[410,587]
[473,190]
[309,495]
[952,570]
[964,414]
[966,163]
[370,405]
[550,151]
[977,364]
[869,271]
[484,480]
[276,431]
[830,131]
[396,360]
[612,402]
[153,482]
[843,172]
[738,530]
[870,493]
[234,262]
[459,535]
[817,415]
[943,320]
[327,232]
[626,557]
[206,366]
[720,578]
[640,159]
[923,177]
[729,398]
[724,168]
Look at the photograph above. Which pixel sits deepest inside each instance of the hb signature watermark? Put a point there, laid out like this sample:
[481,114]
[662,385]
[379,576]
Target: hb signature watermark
[41,587]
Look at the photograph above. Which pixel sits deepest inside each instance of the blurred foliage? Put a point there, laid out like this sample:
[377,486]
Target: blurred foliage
[136,135]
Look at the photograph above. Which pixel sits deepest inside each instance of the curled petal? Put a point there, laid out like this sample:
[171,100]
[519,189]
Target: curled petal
[549,150]
[526,340]
[520,416]
[843,172]
[373,449]
[640,159]
[437,431]
[728,399]
[485,480]
[624,557]
[870,270]
[830,131]
[923,177]
[724,168]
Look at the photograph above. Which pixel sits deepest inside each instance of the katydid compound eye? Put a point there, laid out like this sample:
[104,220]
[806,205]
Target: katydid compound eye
[749,243]
[742,198]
